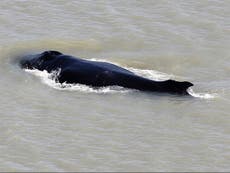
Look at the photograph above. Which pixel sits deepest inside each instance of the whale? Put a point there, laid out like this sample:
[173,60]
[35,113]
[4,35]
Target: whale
[73,70]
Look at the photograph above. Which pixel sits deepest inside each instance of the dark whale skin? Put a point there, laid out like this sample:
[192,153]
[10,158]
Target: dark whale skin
[98,74]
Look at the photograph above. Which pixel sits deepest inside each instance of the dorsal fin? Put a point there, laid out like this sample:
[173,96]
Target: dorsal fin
[47,55]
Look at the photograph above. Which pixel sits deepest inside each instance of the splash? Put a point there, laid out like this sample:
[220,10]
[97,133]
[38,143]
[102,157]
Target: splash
[202,95]
[150,74]
[49,79]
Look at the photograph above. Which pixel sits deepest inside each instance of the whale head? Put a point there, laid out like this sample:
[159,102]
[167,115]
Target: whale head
[39,61]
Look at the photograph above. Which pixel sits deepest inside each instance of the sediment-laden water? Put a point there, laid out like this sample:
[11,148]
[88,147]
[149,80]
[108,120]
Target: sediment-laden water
[45,127]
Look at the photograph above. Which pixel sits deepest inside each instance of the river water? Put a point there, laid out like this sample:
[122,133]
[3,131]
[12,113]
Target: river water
[44,127]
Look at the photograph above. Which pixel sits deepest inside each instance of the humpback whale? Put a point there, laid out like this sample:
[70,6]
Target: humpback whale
[75,70]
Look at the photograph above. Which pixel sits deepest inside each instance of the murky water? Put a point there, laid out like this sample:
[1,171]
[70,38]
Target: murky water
[45,127]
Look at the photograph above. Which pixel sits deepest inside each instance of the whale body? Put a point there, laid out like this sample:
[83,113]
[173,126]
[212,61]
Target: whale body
[98,74]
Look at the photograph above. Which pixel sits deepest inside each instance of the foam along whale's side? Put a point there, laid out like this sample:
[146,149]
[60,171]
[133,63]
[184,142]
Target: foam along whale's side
[98,74]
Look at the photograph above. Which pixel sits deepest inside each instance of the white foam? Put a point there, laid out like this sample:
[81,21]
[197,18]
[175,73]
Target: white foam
[151,74]
[49,79]
[202,95]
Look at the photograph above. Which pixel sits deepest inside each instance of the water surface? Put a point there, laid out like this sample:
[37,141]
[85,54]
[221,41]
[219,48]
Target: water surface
[46,128]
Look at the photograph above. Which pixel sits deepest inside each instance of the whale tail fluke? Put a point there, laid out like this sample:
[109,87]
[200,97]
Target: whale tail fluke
[176,87]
